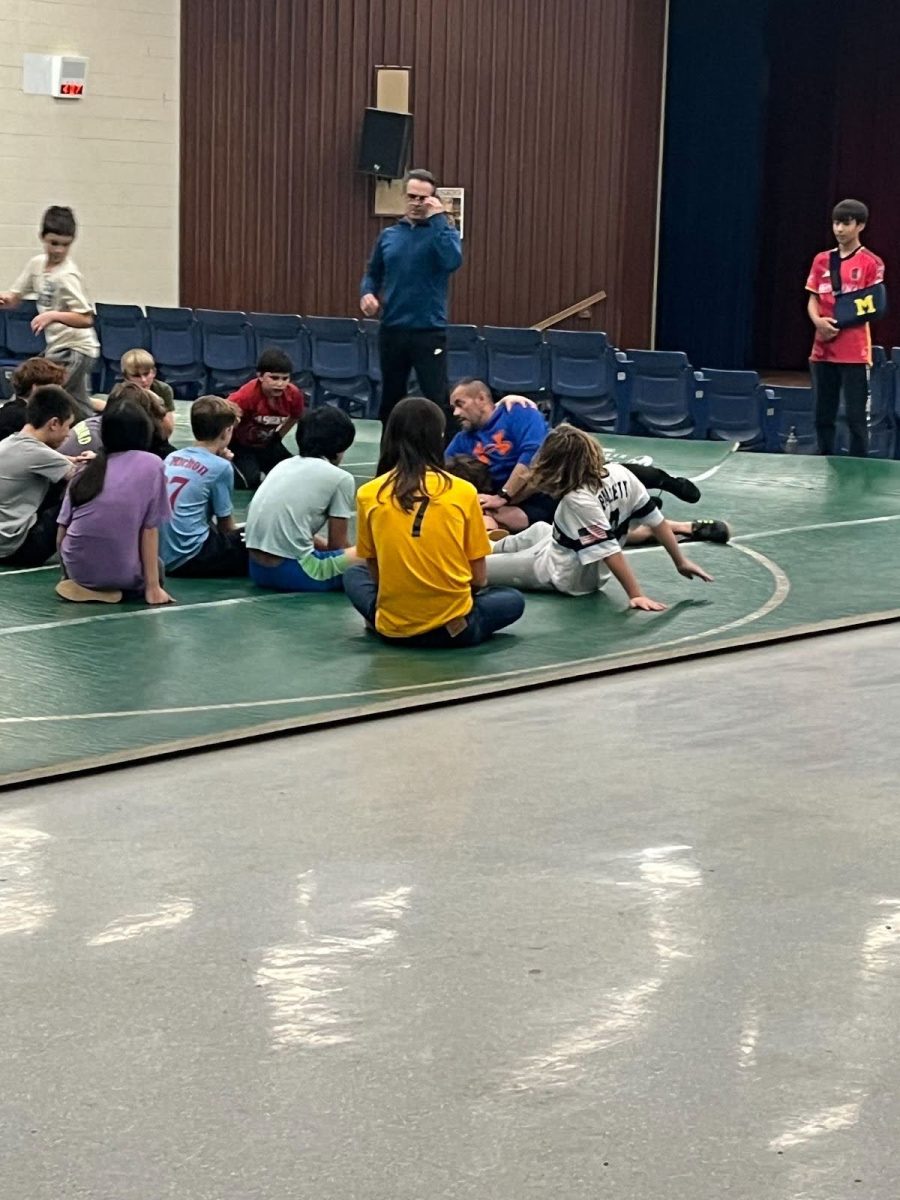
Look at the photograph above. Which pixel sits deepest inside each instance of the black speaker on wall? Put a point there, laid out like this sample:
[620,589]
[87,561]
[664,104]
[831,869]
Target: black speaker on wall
[384,145]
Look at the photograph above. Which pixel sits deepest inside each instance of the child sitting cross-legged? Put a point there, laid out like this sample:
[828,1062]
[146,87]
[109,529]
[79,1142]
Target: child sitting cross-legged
[201,540]
[86,434]
[296,500]
[109,521]
[139,366]
[25,379]
[270,408]
[422,536]
[33,475]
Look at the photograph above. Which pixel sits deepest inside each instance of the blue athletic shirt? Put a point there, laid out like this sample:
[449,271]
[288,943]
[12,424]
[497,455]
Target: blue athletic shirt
[199,484]
[512,436]
[410,271]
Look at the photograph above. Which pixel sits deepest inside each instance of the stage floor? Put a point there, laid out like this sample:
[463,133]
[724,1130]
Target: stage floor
[84,688]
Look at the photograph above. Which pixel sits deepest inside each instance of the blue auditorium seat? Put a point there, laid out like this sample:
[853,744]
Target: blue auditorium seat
[795,411]
[227,349]
[175,345]
[661,387]
[587,379]
[895,363]
[21,343]
[466,356]
[120,327]
[286,332]
[736,407]
[339,363]
[517,361]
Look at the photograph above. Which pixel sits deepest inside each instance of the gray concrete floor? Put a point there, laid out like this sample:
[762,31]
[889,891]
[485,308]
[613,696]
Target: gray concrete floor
[638,938]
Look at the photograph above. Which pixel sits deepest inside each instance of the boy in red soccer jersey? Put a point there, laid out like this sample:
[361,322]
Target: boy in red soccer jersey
[270,408]
[841,358]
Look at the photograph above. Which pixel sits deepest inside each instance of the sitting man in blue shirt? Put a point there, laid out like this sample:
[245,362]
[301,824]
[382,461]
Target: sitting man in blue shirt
[506,437]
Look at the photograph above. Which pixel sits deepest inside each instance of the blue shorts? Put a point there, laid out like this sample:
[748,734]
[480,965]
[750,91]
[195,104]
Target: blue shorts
[323,574]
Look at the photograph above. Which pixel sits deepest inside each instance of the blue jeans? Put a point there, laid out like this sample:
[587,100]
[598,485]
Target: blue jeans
[289,575]
[492,609]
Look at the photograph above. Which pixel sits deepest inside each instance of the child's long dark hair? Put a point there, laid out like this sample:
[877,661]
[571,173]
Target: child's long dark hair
[123,427]
[152,406]
[413,444]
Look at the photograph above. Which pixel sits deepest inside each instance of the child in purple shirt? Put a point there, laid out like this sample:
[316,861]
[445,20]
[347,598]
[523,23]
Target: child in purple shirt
[109,522]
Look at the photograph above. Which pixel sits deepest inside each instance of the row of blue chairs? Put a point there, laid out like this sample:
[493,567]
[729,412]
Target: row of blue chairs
[206,349]
[194,350]
[663,396]
[576,376]
[590,382]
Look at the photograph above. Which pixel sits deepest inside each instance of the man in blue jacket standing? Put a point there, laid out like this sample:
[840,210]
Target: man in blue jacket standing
[408,278]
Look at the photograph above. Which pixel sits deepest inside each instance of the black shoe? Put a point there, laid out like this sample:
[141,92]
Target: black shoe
[683,489]
[709,531]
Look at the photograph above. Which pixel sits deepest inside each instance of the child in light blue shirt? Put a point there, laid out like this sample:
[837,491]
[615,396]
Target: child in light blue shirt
[201,540]
[299,498]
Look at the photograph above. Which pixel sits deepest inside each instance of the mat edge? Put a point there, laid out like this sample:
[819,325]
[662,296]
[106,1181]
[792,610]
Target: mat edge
[548,677]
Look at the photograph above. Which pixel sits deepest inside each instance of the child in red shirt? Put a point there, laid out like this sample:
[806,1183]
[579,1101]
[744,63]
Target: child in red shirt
[270,408]
[841,358]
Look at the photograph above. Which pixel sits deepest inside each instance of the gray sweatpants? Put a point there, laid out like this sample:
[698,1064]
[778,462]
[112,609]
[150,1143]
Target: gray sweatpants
[514,561]
[78,380]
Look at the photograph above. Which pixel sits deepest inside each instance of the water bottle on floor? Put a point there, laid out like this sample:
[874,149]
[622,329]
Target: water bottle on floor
[792,442]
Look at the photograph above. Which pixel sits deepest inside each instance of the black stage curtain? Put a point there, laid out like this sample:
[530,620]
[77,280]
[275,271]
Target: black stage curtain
[832,118]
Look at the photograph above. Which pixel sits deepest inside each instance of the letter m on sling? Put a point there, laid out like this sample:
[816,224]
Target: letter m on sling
[865,304]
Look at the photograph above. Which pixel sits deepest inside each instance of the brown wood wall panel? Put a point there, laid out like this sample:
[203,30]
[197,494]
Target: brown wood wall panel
[546,111]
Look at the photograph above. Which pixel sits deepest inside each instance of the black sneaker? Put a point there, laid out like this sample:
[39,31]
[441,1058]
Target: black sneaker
[710,531]
[683,489]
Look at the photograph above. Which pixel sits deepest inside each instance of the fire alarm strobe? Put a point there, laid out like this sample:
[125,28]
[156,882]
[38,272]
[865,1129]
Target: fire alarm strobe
[68,77]
[61,75]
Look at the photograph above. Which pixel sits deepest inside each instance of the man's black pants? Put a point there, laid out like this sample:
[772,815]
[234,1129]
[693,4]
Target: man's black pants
[421,350]
[829,379]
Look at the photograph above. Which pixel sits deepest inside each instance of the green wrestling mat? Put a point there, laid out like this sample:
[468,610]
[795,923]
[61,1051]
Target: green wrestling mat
[82,688]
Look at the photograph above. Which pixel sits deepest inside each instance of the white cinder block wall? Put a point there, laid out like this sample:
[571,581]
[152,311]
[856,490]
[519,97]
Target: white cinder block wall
[112,155]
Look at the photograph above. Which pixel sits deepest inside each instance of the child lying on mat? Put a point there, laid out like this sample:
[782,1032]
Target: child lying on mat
[597,504]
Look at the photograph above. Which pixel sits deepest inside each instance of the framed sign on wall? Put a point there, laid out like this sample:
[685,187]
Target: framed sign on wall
[454,200]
